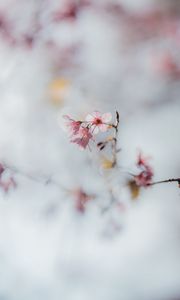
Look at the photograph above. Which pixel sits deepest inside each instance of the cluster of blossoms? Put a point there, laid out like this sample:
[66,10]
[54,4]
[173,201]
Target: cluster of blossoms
[144,178]
[81,132]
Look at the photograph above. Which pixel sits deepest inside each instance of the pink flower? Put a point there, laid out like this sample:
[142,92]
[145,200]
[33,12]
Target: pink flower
[82,138]
[144,178]
[72,125]
[98,121]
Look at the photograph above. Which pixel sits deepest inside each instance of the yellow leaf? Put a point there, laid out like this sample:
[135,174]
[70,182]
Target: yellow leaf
[134,189]
[107,163]
[109,138]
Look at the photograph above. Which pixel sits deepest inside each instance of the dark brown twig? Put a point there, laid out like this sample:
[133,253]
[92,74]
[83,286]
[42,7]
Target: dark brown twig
[114,140]
[166,181]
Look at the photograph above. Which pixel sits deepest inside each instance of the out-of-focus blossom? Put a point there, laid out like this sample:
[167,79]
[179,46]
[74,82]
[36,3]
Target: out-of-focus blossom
[166,65]
[70,10]
[83,137]
[6,184]
[144,178]
[99,121]
[81,199]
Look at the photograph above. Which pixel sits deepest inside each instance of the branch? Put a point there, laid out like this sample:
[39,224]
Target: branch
[114,144]
[166,181]
[40,179]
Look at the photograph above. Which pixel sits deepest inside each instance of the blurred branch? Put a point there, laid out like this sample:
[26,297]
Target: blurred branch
[40,179]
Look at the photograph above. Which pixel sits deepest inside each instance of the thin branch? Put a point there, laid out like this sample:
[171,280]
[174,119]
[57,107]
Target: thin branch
[40,179]
[165,181]
[114,142]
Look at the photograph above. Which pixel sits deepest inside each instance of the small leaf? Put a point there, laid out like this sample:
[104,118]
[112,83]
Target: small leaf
[134,189]
[109,138]
[107,163]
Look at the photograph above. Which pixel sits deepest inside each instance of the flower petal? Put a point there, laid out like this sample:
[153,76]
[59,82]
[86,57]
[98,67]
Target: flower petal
[96,114]
[89,118]
[103,127]
[94,129]
[66,117]
[106,117]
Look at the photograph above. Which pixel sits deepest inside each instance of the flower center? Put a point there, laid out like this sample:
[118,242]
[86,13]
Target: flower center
[97,121]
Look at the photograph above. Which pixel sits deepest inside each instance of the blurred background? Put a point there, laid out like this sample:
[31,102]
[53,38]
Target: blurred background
[77,56]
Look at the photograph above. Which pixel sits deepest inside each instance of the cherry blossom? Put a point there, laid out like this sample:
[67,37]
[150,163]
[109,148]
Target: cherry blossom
[83,137]
[99,121]
[72,125]
[82,131]
[144,178]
